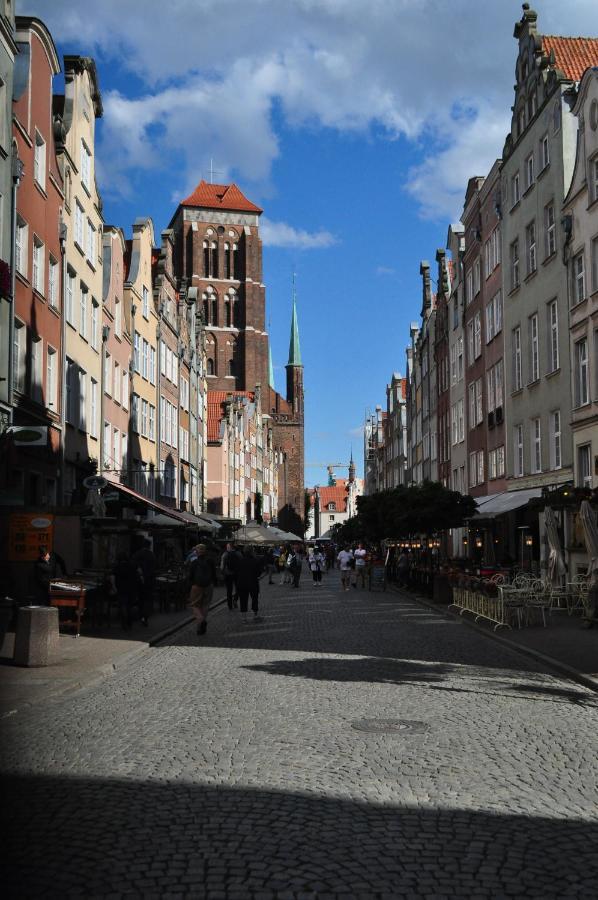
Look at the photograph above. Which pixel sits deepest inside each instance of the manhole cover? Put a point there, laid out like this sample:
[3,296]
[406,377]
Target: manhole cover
[389,726]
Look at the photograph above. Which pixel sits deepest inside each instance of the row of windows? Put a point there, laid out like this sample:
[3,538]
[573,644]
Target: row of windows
[143,417]
[529,170]
[578,273]
[496,466]
[531,248]
[81,399]
[535,445]
[228,257]
[116,382]
[212,309]
[115,449]
[533,356]
[39,272]
[28,367]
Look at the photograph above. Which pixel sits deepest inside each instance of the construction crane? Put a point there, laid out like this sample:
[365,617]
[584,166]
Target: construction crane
[330,468]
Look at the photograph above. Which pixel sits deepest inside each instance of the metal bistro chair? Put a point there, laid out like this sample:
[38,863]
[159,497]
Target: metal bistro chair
[538,598]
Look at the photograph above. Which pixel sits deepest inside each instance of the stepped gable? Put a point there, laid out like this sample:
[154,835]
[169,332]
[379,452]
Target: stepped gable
[216,400]
[220,196]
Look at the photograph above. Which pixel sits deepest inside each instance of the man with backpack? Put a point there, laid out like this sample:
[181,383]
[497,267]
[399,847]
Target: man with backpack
[229,565]
[202,576]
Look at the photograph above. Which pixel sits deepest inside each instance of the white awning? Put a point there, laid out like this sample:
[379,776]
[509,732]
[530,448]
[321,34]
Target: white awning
[498,504]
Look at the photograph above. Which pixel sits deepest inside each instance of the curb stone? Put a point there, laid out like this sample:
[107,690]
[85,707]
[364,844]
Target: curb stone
[561,667]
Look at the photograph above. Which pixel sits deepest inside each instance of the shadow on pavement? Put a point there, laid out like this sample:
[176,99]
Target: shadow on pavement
[94,838]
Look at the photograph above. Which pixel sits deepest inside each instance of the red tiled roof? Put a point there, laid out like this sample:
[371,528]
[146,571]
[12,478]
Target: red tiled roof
[220,196]
[216,400]
[336,495]
[573,54]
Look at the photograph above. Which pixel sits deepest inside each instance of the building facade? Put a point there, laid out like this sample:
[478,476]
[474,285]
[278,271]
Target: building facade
[8,162]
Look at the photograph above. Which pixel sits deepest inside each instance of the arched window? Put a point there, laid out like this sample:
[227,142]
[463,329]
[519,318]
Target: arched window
[210,366]
[214,305]
[227,314]
[214,253]
[231,366]
[206,259]
[227,261]
[235,274]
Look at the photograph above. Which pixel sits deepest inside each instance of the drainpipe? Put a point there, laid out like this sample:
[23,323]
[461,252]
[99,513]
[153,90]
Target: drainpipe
[105,336]
[130,473]
[159,404]
[17,168]
[63,237]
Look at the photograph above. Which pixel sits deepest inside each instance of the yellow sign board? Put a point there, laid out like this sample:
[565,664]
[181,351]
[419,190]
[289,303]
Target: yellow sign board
[27,533]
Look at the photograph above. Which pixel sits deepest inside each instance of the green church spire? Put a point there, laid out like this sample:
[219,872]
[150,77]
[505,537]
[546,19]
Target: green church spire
[294,348]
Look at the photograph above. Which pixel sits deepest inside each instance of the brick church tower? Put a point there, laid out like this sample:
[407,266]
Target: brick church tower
[218,250]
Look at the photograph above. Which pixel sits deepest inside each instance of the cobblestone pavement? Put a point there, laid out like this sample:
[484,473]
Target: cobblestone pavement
[349,745]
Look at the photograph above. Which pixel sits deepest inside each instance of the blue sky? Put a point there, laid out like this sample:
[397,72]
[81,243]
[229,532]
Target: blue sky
[354,126]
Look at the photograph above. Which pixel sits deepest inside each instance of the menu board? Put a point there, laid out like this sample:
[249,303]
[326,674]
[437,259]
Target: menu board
[378,577]
[27,533]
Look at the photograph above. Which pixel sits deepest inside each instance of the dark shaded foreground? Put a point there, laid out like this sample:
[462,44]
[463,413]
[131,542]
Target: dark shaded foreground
[72,837]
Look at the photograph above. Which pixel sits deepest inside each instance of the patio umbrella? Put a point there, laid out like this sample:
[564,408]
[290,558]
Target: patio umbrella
[590,533]
[556,563]
[255,534]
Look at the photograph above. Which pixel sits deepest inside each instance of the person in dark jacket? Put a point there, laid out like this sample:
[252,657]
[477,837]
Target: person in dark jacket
[42,572]
[145,562]
[229,565]
[124,578]
[203,578]
[248,584]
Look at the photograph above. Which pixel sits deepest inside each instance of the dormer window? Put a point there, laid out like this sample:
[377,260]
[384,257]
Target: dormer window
[331,507]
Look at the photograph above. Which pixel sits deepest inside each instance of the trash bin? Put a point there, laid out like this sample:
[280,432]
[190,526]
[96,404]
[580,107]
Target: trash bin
[36,638]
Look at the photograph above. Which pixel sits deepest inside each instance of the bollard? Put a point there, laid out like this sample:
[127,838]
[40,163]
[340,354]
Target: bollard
[36,638]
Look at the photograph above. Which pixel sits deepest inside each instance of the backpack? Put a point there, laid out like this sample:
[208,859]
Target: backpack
[201,572]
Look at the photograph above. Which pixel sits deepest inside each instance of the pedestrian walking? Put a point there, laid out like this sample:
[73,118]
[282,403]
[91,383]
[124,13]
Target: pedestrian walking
[360,555]
[248,584]
[229,565]
[316,563]
[288,566]
[345,559]
[145,562]
[270,564]
[296,566]
[203,579]
[403,569]
[282,564]
[124,585]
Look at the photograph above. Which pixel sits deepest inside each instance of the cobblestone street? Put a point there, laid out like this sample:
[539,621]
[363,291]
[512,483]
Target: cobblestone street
[349,745]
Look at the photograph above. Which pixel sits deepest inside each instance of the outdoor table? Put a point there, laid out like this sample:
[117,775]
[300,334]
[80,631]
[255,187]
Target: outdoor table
[71,594]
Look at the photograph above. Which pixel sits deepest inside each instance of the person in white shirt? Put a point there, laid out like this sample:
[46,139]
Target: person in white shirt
[345,559]
[316,564]
[360,555]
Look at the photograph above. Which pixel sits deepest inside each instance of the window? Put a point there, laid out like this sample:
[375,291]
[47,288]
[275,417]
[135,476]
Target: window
[169,363]
[491,465]
[70,295]
[497,304]
[584,466]
[37,358]
[152,423]
[477,335]
[480,466]
[144,417]
[184,393]
[555,440]
[470,343]
[536,445]
[135,413]
[553,337]
[517,371]
[83,317]
[116,383]
[38,265]
[468,287]
[79,225]
[454,426]
[144,358]
[529,171]
[21,246]
[530,247]
[152,365]
[136,351]
[594,257]
[472,405]
[145,303]
[579,279]
[91,242]
[118,317]
[107,374]
[53,282]
[85,166]
[473,469]
[582,395]
[514,256]
[593,180]
[461,420]
[544,151]
[534,349]
[479,405]
[69,412]
[82,379]
[460,358]
[500,462]
[116,448]
[107,431]
[124,397]
[550,229]
[518,450]
[489,321]
[95,330]
[454,364]
[476,277]
[515,190]
[210,365]
[51,379]
[39,160]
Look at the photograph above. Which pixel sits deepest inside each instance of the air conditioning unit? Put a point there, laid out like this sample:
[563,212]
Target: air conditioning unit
[491,420]
[498,414]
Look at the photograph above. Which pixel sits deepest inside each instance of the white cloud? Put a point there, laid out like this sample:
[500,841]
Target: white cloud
[398,70]
[279,234]
[385,270]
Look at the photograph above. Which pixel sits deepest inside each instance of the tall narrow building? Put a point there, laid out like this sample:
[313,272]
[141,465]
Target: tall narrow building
[218,253]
